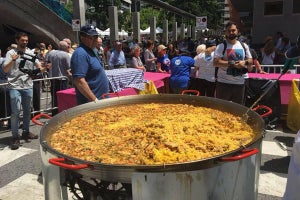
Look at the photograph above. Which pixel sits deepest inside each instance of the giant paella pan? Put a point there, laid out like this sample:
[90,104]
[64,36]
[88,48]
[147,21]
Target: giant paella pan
[122,171]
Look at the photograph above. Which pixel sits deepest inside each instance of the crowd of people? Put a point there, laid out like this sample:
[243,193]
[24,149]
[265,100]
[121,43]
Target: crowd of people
[215,67]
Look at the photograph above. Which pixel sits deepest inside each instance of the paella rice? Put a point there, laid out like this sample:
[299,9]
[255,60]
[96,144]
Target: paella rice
[146,134]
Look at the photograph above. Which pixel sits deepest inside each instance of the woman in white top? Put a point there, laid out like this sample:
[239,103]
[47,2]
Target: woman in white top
[193,78]
[268,52]
[136,59]
[205,70]
[150,59]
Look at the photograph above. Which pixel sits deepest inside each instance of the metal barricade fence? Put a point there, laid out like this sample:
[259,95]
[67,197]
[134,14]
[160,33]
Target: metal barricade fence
[276,68]
[4,104]
[41,89]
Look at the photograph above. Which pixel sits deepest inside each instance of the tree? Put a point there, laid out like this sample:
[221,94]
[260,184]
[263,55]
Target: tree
[209,8]
[100,13]
[147,13]
[69,6]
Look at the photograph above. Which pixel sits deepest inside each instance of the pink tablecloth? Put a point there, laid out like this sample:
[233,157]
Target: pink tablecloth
[285,83]
[66,98]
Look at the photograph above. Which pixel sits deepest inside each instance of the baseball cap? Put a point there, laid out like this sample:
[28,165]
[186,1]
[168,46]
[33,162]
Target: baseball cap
[294,52]
[210,43]
[161,47]
[89,30]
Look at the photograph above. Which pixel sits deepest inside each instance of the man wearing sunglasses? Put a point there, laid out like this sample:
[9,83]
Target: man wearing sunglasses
[87,70]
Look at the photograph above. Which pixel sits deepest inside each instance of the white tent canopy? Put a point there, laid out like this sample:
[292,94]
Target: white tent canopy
[147,30]
[123,33]
[106,32]
[179,30]
[158,30]
[99,31]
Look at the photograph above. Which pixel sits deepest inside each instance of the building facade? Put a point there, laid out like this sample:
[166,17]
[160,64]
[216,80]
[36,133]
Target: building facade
[271,16]
[261,18]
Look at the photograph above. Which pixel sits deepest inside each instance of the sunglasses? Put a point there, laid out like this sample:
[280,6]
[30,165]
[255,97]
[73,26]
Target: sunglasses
[92,37]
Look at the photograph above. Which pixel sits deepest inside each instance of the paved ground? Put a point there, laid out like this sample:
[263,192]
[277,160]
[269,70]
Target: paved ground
[20,169]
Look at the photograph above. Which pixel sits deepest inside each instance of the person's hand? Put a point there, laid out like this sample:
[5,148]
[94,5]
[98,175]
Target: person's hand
[48,65]
[43,69]
[262,72]
[14,57]
[241,64]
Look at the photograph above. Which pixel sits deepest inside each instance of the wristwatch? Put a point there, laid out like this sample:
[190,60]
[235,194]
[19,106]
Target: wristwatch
[231,63]
[246,62]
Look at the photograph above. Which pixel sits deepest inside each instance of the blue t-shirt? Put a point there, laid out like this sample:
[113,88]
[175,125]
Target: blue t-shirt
[165,62]
[180,71]
[85,64]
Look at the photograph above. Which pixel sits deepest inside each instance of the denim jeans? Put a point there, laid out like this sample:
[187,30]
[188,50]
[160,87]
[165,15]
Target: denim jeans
[17,98]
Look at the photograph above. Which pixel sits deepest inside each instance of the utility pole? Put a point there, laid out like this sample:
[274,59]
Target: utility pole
[79,13]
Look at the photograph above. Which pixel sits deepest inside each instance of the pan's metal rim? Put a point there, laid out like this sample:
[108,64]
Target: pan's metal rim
[62,117]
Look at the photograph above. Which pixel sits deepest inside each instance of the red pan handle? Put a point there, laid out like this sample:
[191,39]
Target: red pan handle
[108,95]
[60,162]
[196,92]
[244,154]
[268,112]
[37,117]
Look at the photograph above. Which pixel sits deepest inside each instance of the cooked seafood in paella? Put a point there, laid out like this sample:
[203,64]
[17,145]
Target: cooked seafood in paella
[146,134]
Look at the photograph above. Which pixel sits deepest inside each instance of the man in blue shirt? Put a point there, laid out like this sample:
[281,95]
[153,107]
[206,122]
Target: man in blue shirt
[117,58]
[87,70]
[180,73]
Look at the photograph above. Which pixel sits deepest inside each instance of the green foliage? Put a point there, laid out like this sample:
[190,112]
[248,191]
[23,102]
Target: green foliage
[209,8]
[69,6]
[147,13]
[125,20]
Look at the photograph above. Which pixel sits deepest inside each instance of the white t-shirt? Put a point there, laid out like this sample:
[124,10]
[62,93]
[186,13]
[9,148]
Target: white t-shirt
[234,52]
[206,68]
[268,59]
